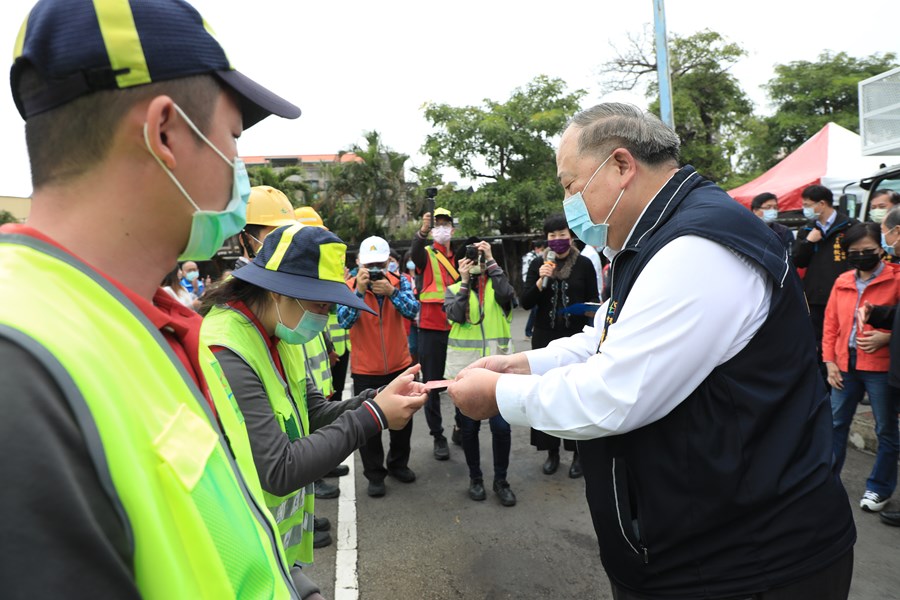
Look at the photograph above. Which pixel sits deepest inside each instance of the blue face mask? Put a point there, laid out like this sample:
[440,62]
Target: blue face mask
[810,213]
[310,325]
[410,265]
[887,247]
[209,228]
[579,219]
[392,267]
[192,275]
[769,215]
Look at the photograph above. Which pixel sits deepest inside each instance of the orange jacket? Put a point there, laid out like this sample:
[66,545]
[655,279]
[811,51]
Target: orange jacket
[379,341]
[840,318]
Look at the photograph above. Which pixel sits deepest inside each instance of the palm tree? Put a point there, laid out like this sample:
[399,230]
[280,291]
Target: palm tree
[290,180]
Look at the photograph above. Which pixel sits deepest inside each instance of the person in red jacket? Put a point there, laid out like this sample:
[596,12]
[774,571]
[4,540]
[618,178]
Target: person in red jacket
[857,359]
[380,352]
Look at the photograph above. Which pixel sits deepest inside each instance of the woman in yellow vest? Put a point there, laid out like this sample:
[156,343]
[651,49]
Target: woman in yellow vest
[479,308]
[281,299]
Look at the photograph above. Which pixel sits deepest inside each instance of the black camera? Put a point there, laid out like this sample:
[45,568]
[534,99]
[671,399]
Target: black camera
[376,274]
[430,194]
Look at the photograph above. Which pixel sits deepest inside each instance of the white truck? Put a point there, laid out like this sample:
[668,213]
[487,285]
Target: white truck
[879,129]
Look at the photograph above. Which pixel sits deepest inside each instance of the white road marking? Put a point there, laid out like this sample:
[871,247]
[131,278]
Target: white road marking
[346,580]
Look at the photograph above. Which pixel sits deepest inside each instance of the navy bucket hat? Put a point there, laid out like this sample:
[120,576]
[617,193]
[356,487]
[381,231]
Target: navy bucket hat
[83,46]
[302,262]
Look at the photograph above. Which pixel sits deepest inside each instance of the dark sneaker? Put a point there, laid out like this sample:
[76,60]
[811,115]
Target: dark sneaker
[575,470]
[872,502]
[326,491]
[403,474]
[441,450]
[338,471]
[551,464]
[456,436]
[501,488]
[321,539]
[321,524]
[476,489]
[376,489]
[890,517]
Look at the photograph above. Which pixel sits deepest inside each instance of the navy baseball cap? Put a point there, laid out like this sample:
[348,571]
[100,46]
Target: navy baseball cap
[304,262]
[82,46]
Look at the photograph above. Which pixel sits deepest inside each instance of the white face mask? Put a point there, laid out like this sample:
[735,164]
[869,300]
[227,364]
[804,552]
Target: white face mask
[442,234]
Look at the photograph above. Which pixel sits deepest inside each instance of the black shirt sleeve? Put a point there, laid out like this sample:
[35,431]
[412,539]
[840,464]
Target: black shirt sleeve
[61,535]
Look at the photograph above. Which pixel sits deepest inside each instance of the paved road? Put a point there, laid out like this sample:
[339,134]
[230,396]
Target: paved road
[428,540]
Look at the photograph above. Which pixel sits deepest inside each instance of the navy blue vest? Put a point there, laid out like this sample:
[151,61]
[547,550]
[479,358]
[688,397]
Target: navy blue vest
[732,492]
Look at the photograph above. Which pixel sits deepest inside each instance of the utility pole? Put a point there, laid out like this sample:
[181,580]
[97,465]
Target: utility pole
[662,65]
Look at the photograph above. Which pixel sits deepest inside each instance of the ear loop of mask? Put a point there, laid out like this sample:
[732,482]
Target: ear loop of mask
[166,169]
[616,203]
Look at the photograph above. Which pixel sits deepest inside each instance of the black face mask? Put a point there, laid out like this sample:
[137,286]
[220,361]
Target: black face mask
[864,262]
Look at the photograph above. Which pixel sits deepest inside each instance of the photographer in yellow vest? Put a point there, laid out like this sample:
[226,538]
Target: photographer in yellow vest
[479,308]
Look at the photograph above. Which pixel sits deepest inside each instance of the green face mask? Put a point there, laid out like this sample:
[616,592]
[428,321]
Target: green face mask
[310,325]
[878,214]
[210,228]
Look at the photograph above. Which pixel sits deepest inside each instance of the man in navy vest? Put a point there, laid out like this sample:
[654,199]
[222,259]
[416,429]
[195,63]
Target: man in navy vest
[703,425]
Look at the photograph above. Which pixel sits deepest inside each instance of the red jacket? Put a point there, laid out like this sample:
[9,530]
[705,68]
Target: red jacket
[840,318]
[379,341]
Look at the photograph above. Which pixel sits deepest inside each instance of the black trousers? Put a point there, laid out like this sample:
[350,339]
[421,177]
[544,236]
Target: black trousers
[339,375]
[817,318]
[372,452]
[831,583]
[433,358]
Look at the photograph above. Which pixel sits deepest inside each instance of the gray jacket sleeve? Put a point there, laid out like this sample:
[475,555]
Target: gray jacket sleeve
[456,305]
[284,465]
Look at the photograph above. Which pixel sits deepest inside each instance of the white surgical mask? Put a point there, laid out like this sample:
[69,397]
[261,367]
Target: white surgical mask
[442,234]
[878,214]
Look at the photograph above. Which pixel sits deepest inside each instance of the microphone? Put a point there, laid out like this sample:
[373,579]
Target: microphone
[550,260]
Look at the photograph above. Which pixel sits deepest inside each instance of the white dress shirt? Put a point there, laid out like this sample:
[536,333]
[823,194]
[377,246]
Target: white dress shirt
[695,305]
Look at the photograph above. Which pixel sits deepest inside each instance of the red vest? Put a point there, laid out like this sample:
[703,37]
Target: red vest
[379,341]
[431,296]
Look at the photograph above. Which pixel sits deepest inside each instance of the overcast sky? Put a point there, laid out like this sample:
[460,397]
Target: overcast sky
[354,65]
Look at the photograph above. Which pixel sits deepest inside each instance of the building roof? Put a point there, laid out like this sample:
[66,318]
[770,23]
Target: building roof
[301,158]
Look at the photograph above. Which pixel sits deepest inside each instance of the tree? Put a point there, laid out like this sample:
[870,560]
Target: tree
[289,180]
[509,145]
[807,95]
[7,217]
[363,195]
[711,110]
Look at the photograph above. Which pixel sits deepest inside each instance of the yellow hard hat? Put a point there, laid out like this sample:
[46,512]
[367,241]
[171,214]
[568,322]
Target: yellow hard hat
[308,216]
[270,207]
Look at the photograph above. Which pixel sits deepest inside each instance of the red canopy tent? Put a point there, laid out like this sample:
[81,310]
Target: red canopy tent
[832,157]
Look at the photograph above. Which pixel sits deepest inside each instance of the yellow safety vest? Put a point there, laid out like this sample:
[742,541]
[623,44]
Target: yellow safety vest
[229,328]
[187,490]
[340,337]
[317,364]
[485,332]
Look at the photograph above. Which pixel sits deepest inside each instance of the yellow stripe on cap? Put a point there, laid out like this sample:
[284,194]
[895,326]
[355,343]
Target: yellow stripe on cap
[331,261]
[212,33]
[20,39]
[123,44]
[286,236]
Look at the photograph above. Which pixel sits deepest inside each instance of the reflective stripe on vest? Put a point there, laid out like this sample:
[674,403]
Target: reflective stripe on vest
[318,366]
[340,337]
[434,292]
[229,328]
[489,336]
[189,495]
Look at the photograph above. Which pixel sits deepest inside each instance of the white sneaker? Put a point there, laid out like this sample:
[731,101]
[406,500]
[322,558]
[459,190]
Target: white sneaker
[872,502]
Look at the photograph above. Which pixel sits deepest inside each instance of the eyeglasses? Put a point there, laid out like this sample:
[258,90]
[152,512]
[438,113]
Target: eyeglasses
[861,253]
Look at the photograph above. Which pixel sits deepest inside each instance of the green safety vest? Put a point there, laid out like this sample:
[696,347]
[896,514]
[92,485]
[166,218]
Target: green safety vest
[187,491]
[317,364]
[229,328]
[340,337]
[490,336]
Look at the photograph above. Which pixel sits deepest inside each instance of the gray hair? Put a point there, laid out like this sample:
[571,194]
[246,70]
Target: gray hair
[892,219]
[607,126]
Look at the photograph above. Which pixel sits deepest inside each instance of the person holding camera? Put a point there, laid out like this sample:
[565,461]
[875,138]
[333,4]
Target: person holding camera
[479,307]
[382,352]
[435,272]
